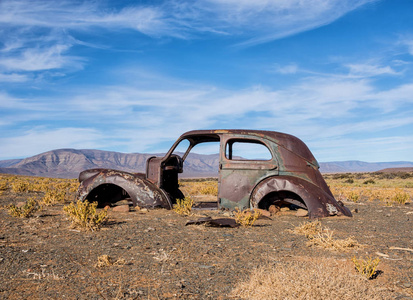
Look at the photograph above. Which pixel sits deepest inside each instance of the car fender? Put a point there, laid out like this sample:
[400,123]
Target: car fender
[142,192]
[319,203]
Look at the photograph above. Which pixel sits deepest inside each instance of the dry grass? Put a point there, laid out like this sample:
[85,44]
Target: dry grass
[106,261]
[184,206]
[53,197]
[27,210]
[246,218]
[325,240]
[309,228]
[84,215]
[315,279]
[320,236]
[367,267]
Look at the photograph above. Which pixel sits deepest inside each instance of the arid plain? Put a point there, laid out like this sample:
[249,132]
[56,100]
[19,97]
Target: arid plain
[153,254]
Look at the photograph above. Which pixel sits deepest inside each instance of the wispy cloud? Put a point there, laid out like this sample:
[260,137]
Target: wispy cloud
[137,119]
[57,21]
[38,140]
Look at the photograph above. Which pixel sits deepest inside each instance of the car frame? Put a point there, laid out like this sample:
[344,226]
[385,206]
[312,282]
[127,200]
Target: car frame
[289,176]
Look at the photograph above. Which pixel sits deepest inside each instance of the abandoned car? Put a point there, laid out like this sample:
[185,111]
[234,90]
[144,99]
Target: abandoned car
[283,172]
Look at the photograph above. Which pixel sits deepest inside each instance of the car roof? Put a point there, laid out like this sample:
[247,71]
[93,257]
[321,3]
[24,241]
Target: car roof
[284,140]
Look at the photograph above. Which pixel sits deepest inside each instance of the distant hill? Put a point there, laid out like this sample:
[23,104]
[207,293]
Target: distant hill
[360,166]
[68,163]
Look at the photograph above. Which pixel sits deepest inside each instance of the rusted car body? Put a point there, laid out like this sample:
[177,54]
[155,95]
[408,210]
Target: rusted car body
[288,176]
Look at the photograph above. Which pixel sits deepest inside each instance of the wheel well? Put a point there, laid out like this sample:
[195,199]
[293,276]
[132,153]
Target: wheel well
[282,199]
[107,194]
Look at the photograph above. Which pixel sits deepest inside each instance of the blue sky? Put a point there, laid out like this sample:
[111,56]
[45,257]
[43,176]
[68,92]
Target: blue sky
[131,76]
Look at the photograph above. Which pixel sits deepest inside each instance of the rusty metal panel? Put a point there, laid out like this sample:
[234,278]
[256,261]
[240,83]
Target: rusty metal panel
[142,192]
[319,203]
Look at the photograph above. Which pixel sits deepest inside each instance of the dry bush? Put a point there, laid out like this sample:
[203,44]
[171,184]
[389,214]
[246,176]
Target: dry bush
[325,240]
[184,206]
[4,184]
[309,228]
[85,216]
[19,187]
[247,217]
[367,267]
[205,187]
[106,260]
[320,236]
[400,197]
[316,279]
[25,211]
[53,197]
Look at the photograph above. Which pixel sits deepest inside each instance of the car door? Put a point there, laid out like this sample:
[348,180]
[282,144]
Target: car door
[244,161]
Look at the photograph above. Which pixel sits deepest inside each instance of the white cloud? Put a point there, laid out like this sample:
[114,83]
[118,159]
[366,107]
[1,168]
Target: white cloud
[139,119]
[41,59]
[38,140]
[13,77]
[369,70]
[287,69]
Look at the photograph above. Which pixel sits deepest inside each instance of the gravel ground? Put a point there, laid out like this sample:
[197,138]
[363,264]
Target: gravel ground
[155,256]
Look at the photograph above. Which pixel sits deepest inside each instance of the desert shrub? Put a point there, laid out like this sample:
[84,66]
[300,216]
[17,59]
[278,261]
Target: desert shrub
[367,267]
[325,240]
[320,236]
[209,188]
[246,218]
[199,187]
[318,278]
[353,196]
[406,175]
[25,211]
[350,180]
[84,215]
[342,176]
[4,184]
[184,206]
[400,196]
[309,228]
[19,187]
[369,181]
[53,197]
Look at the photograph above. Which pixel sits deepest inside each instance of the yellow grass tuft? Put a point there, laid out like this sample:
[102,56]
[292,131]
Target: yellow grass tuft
[184,206]
[320,236]
[85,216]
[309,228]
[246,218]
[367,267]
[25,211]
[106,260]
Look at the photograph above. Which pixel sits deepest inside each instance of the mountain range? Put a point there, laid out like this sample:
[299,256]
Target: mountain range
[68,163]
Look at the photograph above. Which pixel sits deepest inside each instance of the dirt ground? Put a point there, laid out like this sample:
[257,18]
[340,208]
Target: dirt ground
[155,256]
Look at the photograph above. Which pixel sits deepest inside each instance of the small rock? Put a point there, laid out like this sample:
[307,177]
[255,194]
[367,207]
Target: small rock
[121,208]
[301,212]
[285,208]
[20,203]
[273,209]
[149,229]
[106,207]
[355,210]
[144,210]
[264,212]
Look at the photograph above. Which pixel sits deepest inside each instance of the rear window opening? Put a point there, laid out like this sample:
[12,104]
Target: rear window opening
[109,194]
